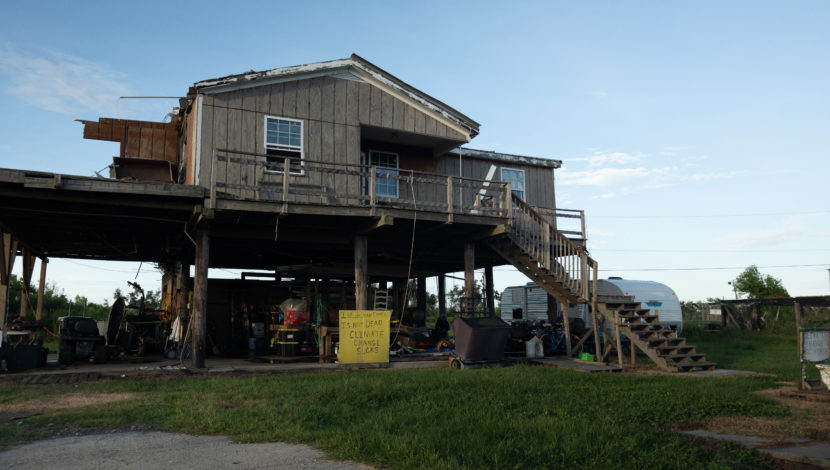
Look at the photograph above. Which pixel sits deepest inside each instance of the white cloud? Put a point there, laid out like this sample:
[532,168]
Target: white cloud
[620,177]
[63,83]
[785,233]
[606,158]
[605,196]
[713,176]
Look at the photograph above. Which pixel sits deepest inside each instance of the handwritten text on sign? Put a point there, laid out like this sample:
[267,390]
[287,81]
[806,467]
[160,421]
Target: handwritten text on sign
[364,336]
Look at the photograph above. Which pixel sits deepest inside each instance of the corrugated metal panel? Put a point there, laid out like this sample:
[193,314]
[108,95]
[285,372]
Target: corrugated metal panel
[532,301]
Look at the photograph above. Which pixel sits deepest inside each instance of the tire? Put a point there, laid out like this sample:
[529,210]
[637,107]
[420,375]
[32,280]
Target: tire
[65,351]
[456,364]
[100,355]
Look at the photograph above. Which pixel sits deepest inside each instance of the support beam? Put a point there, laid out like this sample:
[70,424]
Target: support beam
[469,275]
[41,288]
[488,290]
[442,296]
[8,252]
[200,293]
[802,384]
[376,223]
[26,281]
[361,266]
[595,314]
[421,296]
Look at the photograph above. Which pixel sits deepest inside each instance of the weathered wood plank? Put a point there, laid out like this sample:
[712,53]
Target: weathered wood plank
[313,150]
[327,99]
[315,98]
[157,146]
[247,143]
[206,146]
[289,99]
[353,156]
[220,141]
[399,114]
[235,99]
[302,99]
[409,118]
[352,103]
[235,134]
[261,98]
[340,101]
[387,110]
[327,154]
[339,156]
[430,125]
[145,147]
[420,122]
[375,115]
[365,103]
[275,100]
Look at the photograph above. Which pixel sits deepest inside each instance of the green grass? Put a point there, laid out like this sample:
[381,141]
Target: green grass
[517,417]
[764,352]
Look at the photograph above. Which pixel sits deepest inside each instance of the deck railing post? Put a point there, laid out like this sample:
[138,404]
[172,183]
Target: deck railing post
[508,201]
[373,181]
[213,181]
[286,169]
[449,200]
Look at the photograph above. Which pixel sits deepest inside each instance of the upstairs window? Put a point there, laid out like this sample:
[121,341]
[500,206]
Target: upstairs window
[386,163]
[283,138]
[516,178]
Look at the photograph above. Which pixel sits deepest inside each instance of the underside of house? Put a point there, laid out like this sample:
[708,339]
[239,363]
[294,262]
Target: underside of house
[335,183]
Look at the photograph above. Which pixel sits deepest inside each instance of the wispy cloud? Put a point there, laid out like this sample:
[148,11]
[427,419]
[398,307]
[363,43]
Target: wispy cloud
[784,234]
[713,176]
[62,83]
[608,158]
[619,177]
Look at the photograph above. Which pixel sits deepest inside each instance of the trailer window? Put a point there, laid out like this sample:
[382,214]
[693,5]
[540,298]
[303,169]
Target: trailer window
[386,164]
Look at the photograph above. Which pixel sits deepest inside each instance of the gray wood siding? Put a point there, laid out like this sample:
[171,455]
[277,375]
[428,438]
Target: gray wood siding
[332,111]
[539,189]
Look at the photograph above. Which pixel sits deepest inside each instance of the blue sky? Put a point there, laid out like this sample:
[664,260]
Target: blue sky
[693,134]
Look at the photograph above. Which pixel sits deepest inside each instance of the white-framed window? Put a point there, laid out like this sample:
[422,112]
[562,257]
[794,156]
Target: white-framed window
[386,163]
[516,178]
[283,138]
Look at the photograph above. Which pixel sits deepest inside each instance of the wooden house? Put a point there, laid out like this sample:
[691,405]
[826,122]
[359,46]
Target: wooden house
[328,171]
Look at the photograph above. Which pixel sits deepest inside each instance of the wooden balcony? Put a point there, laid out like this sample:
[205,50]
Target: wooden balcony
[258,182]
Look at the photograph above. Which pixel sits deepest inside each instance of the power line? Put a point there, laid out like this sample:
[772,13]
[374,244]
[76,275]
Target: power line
[719,268]
[704,216]
[714,268]
[636,250]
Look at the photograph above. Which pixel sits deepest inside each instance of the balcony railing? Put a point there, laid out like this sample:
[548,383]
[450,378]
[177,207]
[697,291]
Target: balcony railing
[259,177]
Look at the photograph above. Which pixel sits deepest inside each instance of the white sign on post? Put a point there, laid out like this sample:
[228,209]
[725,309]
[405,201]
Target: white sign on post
[816,345]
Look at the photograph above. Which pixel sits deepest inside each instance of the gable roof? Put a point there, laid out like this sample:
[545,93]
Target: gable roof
[353,68]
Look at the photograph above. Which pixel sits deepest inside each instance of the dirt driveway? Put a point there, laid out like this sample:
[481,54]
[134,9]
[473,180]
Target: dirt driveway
[140,450]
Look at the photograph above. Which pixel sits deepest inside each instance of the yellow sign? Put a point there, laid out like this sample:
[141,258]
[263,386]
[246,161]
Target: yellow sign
[364,336]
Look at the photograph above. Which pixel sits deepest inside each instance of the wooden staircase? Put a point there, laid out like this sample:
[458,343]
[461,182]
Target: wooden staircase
[659,343]
[561,266]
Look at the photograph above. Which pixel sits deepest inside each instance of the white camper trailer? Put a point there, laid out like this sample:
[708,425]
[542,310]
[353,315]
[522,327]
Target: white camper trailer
[529,302]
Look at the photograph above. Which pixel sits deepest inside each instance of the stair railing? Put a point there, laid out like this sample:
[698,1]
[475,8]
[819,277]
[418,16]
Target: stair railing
[552,250]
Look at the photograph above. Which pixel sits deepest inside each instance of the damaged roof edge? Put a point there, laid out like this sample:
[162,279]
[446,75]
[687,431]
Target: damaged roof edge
[328,67]
[507,157]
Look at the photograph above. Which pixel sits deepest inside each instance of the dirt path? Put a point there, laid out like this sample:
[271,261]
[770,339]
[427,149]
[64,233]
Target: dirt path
[140,450]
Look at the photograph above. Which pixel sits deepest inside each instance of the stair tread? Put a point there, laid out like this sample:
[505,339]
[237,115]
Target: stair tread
[689,365]
[683,356]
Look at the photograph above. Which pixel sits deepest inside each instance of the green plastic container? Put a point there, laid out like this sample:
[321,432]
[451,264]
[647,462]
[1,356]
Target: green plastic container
[586,357]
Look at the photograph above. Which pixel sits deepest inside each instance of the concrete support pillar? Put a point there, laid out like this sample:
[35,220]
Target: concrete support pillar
[200,296]
[361,267]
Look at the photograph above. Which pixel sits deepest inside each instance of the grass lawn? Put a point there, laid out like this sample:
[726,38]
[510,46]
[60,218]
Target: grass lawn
[516,417]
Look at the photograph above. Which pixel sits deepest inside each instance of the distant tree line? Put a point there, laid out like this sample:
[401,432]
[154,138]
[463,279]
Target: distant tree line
[57,304]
